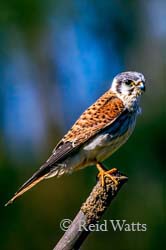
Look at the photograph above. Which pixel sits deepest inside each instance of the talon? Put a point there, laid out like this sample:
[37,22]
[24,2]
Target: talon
[106,173]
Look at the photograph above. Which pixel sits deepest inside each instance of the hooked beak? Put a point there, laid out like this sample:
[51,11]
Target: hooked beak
[142,86]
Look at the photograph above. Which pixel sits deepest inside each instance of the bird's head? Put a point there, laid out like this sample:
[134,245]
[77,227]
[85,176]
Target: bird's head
[129,86]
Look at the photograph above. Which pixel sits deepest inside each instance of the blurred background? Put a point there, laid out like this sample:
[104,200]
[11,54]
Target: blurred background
[56,58]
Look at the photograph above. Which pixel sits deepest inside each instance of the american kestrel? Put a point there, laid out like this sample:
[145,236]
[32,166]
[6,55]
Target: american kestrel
[97,134]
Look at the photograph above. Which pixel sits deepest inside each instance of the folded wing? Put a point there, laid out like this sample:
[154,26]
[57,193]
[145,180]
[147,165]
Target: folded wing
[97,117]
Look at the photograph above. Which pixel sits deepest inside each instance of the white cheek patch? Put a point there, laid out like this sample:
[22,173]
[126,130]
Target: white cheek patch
[120,88]
[124,89]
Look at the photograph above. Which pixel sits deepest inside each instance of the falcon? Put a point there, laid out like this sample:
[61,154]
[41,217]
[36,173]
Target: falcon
[97,134]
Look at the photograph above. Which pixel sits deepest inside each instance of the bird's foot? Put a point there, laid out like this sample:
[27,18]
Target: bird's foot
[106,173]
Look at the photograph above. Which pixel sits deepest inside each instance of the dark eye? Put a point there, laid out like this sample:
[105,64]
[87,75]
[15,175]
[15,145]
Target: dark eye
[129,82]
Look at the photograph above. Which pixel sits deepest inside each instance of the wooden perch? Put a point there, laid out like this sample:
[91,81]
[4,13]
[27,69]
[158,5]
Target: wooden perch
[90,213]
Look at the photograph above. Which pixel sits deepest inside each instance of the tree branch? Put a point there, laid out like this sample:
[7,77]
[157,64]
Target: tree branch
[90,213]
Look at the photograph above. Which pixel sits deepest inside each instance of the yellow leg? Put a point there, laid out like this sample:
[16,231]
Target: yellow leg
[106,173]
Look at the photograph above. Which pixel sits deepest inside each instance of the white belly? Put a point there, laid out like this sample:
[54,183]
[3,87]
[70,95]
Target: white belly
[104,146]
[98,149]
